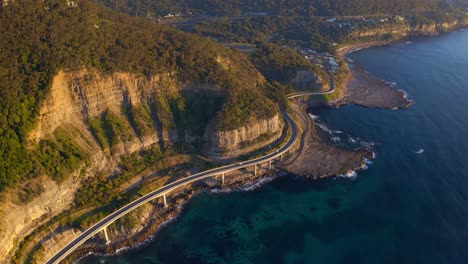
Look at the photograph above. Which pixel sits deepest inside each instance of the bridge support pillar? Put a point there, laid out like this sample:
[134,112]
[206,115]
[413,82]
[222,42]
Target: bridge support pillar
[105,235]
[269,165]
[222,178]
[255,169]
[164,199]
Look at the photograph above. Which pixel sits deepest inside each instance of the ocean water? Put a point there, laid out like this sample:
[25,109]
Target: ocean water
[408,207]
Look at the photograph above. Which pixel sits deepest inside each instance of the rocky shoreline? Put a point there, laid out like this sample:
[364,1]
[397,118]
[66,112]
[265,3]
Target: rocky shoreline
[364,89]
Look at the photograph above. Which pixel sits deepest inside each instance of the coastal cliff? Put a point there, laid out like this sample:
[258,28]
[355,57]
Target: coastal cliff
[110,116]
[244,139]
[399,30]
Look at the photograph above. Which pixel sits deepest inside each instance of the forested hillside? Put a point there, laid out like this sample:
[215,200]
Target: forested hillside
[40,38]
[283,7]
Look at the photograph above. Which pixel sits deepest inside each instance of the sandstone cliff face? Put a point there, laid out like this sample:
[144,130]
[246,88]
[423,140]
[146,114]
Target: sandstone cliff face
[402,30]
[437,28]
[307,80]
[79,95]
[244,139]
[17,221]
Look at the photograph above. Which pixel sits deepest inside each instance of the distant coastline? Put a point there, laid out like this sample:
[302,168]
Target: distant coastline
[364,89]
[349,48]
[345,49]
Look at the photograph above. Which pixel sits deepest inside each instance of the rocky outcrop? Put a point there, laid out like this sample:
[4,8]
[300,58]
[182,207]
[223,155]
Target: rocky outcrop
[396,30]
[437,28]
[18,220]
[306,79]
[77,95]
[244,139]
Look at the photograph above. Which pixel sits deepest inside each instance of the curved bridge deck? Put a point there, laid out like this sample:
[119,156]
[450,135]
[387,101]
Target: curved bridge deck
[161,192]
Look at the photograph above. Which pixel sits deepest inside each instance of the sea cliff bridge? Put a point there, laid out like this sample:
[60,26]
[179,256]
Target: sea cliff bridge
[102,225]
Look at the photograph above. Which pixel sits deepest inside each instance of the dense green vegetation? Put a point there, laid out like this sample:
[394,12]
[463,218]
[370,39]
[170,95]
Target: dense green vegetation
[235,112]
[311,32]
[374,7]
[243,30]
[277,7]
[281,64]
[59,157]
[292,22]
[40,38]
[193,112]
[109,129]
[102,190]
[316,32]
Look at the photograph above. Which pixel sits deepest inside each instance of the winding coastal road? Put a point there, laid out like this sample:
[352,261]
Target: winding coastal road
[101,225]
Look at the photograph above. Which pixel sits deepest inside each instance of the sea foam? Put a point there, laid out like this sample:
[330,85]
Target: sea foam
[350,175]
[313,117]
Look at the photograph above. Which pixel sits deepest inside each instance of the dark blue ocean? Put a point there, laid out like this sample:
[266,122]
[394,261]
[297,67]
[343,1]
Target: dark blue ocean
[406,208]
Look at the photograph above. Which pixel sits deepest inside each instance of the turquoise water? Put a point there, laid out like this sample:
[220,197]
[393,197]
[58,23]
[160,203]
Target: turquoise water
[407,208]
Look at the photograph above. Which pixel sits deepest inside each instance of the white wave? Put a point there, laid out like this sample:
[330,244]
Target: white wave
[122,250]
[354,50]
[313,117]
[368,163]
[405,95]
[329,131]
[349,60]
[249,186]
[350,175]
[256,184]
[391,84]
[352,140]
[420,151]
[365,144]
[219,190]
[336,139]
[325,128]
[409,42]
